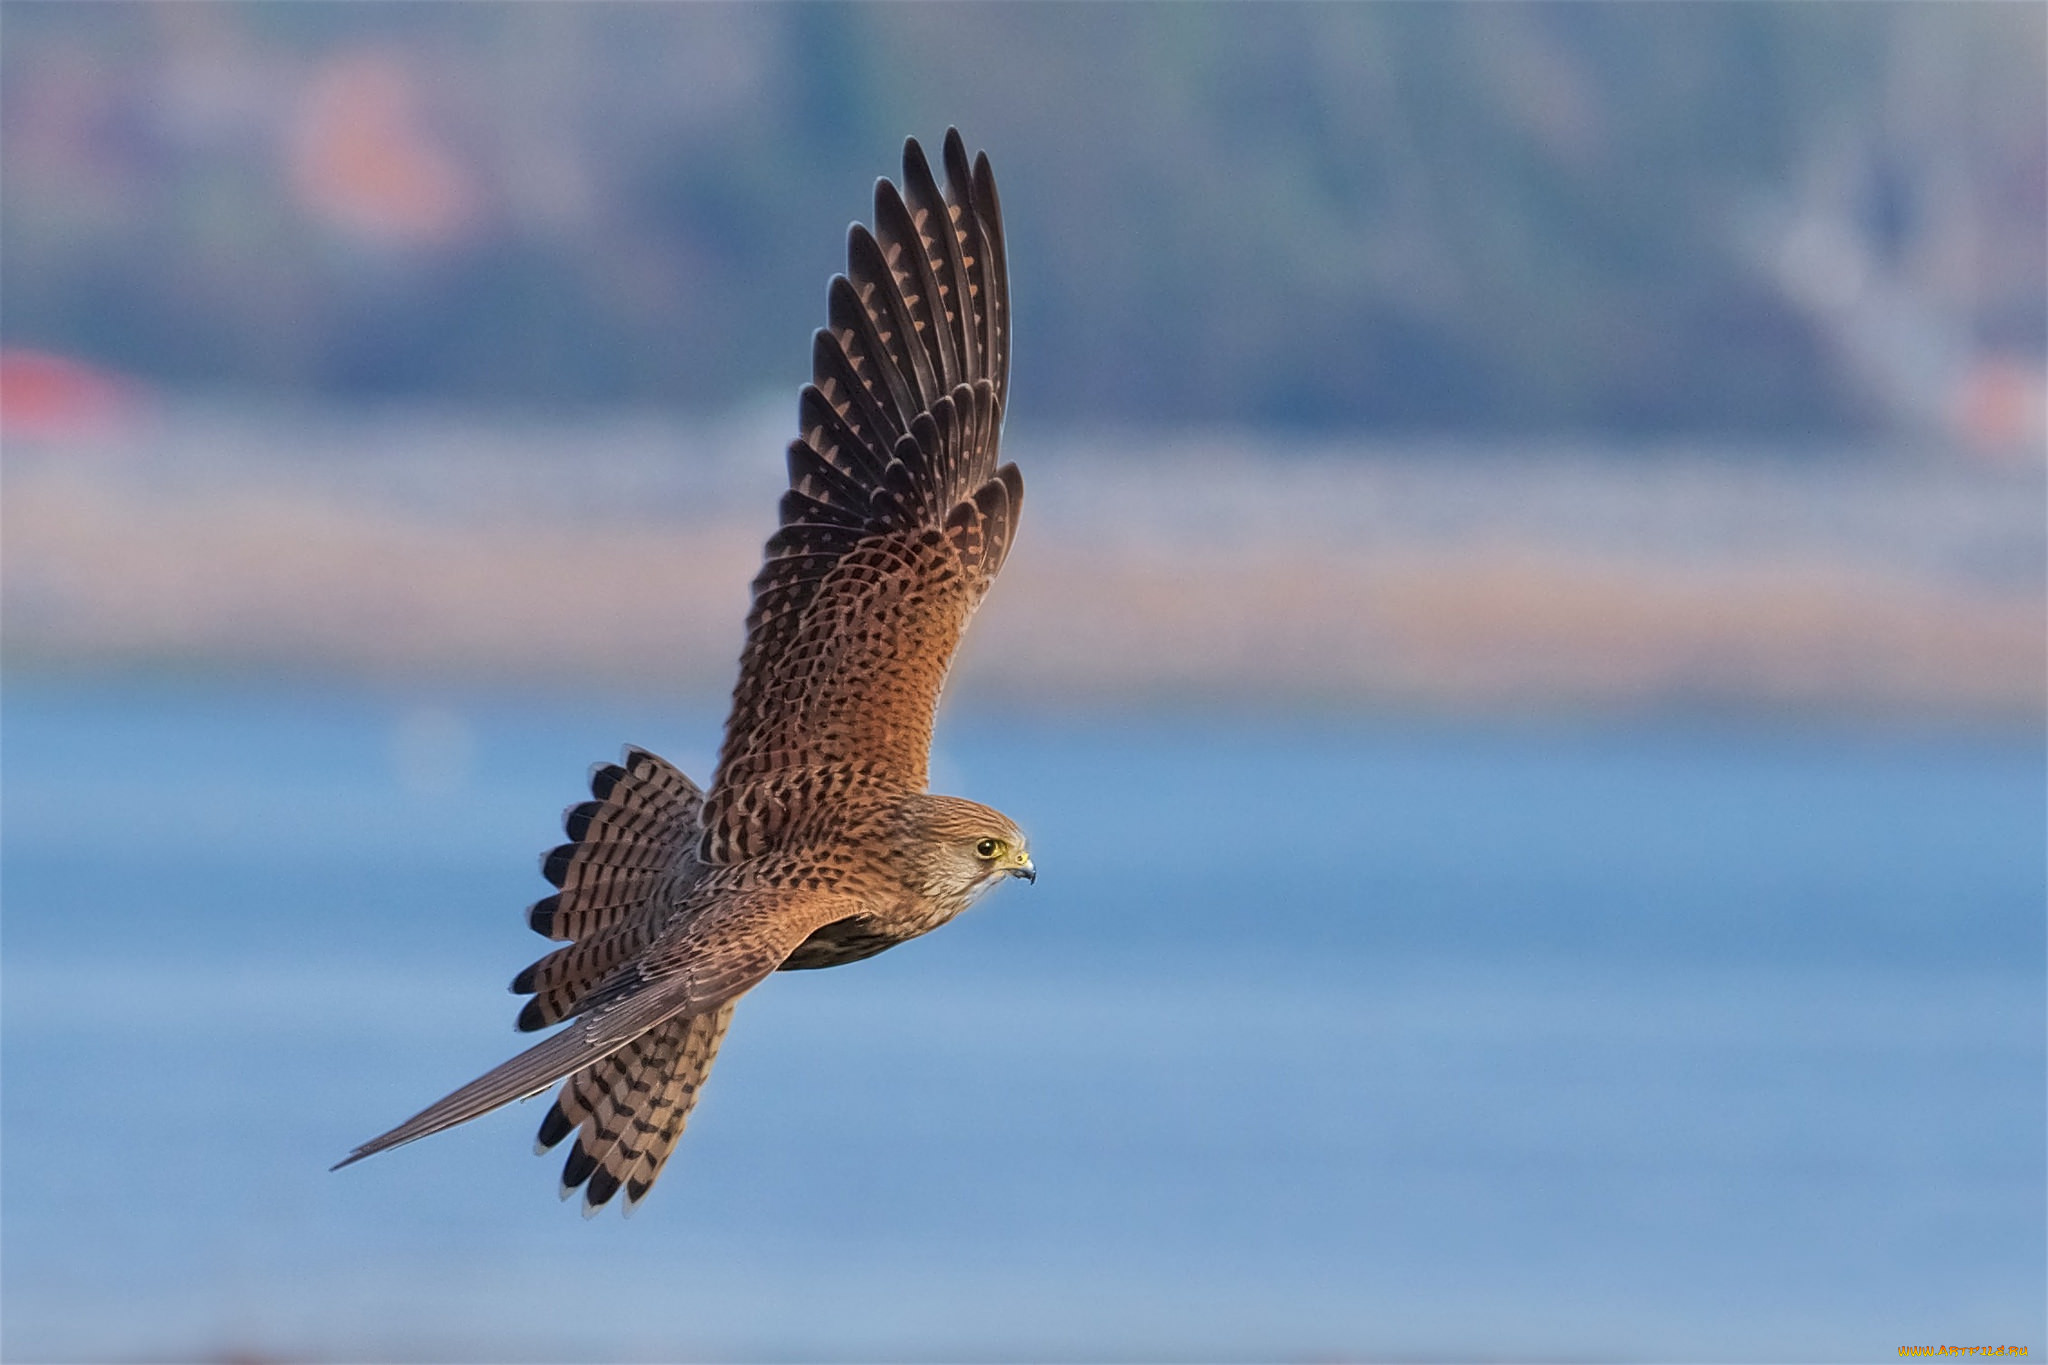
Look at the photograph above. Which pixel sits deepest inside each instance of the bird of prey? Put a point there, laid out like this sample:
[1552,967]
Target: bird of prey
[817,843]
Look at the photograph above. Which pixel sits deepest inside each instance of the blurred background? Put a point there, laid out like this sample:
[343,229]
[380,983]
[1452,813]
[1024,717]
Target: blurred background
[1524,670]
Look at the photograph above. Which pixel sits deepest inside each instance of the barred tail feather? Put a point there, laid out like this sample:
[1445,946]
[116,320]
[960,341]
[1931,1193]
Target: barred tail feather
[631,1109]
[626,847]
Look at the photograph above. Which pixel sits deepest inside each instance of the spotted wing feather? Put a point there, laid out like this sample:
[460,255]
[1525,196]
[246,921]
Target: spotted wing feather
[897,516]
[896,520]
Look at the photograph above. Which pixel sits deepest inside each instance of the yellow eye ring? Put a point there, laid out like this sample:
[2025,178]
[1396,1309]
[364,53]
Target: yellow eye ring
[989,848]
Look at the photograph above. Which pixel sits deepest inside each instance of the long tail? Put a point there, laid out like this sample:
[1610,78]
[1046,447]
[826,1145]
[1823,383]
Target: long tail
[631,1108]
[627,847]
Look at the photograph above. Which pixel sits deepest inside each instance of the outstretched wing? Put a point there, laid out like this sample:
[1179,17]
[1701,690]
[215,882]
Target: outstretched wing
[733,941]
[896,519]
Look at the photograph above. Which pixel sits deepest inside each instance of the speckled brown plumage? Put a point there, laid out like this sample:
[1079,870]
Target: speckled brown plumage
[817,843]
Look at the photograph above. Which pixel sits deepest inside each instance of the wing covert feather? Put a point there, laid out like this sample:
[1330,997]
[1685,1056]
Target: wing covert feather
[897,518]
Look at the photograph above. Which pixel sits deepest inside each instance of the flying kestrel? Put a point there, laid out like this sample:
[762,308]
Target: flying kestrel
[817,843]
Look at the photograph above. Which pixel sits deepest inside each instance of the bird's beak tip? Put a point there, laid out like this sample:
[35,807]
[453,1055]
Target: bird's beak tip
[1027,872]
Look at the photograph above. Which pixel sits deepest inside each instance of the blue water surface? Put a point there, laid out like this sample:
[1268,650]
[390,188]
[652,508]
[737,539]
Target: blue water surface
[1314,1040]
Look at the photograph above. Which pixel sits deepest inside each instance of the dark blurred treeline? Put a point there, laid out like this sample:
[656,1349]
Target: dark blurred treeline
[1473,217]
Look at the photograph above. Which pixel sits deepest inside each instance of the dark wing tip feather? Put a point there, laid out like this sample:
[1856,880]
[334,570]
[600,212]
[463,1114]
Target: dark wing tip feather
[985,194]
[903,415]
[902,351]
[993,500]
[956,317]
[1013,485]
[895,228]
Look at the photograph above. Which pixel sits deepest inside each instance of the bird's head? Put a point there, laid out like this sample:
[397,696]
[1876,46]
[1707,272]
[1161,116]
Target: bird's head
[955,850]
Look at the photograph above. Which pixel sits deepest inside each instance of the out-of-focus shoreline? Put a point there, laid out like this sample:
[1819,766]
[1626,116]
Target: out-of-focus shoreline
[615,553]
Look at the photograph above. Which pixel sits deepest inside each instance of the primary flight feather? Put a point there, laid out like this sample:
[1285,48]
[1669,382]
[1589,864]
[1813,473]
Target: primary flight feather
[817,843]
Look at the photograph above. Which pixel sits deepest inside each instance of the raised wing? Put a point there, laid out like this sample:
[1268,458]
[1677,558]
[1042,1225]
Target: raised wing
[896,519]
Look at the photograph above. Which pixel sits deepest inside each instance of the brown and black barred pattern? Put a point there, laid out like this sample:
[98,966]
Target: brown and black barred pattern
[897,517]
[671,904]
[630,847]
[631,1108]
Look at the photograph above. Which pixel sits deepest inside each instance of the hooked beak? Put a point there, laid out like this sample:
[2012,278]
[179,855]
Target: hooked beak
[1025,870]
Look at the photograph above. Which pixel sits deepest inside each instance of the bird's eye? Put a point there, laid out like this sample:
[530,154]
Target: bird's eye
[989,848]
